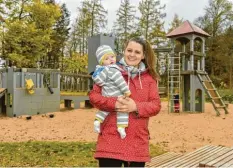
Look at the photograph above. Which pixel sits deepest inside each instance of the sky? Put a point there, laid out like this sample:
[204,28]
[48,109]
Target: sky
[186,9]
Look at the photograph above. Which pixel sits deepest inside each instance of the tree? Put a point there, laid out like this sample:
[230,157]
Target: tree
[13,10]
[73,41]
[98,16]
[176,22]
[82,28]
[27,37]
[224,53]
[204,23]
[150,22]
[89,21]
[76,64]
[59,37]
[218,15]
[2,11]
[125,22]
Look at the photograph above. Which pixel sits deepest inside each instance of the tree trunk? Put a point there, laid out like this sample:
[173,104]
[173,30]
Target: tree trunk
[230,74]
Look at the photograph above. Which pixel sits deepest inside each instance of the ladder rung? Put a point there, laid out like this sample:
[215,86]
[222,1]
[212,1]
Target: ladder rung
[174,57]
[211,89]
[173,98]
[215,98]
[172,106]
[206,81]
[220,106]
[174,76]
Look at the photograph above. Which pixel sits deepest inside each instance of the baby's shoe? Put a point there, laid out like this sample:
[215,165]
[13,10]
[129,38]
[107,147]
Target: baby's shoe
[122,132]
[97,126]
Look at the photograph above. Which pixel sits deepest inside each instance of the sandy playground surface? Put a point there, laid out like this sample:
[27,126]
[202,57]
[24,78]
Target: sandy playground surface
[179,133]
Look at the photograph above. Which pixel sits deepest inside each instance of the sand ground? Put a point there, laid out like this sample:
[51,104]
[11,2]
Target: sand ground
[181,133]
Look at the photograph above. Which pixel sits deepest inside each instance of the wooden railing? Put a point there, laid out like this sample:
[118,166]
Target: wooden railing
[70,82]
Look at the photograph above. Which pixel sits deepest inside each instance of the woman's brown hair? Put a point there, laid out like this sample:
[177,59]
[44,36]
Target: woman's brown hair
[150,57]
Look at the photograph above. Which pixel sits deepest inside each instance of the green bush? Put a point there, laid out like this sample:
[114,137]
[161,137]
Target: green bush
[216,80]
[228,98]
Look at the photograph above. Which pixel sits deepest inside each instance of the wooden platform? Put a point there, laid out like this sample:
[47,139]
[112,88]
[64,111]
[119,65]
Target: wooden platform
[207,156]
[224,158]
[162,159]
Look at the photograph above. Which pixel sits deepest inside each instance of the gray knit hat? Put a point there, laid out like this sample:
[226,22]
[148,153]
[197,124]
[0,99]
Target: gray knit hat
[103,51]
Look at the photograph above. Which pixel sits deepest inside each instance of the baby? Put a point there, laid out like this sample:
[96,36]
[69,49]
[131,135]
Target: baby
[108,75]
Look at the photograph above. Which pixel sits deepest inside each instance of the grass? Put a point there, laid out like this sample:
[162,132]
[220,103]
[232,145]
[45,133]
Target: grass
[47,154]
[51,154]
[156,150]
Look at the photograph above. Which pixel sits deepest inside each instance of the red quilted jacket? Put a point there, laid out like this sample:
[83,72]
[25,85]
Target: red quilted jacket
[135,147]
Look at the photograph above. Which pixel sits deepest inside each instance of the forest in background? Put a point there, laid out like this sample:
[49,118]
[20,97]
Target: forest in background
[34,31]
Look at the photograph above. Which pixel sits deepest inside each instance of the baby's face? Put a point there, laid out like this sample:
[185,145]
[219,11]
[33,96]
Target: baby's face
[111,59]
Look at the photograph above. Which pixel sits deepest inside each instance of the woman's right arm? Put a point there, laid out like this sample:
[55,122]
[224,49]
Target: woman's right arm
[100,102]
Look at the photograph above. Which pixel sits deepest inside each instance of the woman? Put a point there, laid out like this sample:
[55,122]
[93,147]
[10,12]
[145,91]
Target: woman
[139,71]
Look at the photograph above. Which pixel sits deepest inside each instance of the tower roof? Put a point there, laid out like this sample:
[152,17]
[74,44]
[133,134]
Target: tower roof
[187,28]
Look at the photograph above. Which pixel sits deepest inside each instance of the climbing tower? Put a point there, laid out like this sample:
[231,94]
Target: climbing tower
[186,71]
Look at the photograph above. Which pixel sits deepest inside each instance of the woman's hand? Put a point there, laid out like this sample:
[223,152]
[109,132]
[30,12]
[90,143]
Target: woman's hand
[125,105]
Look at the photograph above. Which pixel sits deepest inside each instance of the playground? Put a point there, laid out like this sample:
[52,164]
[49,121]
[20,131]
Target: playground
[178,132]
[31,100]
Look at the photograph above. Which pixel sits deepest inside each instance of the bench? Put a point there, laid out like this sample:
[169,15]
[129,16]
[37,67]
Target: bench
[76,99]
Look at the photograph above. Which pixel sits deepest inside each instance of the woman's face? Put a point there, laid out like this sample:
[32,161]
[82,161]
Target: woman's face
[133,53]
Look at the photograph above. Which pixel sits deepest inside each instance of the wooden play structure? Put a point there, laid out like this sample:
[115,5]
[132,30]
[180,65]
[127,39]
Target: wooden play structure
[25,91]
[30,91]
[186,71]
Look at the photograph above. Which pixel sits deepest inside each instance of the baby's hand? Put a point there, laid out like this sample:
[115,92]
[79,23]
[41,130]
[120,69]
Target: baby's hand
[123,97]
[127,94]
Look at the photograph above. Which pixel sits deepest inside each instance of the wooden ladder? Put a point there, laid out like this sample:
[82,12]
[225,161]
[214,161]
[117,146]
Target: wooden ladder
[174,80]
[212,92]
